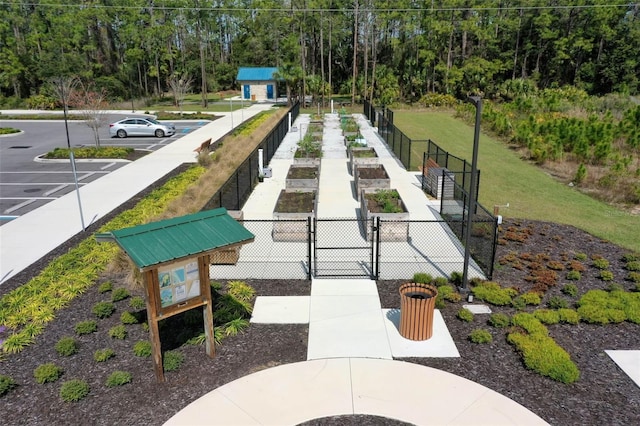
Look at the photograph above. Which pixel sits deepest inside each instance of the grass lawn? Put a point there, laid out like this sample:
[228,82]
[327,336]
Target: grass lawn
[530,192]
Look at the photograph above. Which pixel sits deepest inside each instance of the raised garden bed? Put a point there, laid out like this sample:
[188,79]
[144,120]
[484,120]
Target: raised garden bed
[290,214]
[309,152]
[229,256]
[301,177]
[361,157]
[370,176]
[388,205]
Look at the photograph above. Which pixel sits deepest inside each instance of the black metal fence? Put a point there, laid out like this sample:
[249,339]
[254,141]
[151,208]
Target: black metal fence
[457,167]
[373,248]
[236,190]
[407,150]
[370,112]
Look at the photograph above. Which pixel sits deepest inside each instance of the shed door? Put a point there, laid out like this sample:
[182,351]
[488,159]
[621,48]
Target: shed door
[269,91]
[247,91]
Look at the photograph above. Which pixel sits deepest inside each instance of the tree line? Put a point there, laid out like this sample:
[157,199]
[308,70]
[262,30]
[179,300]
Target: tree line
[385,50]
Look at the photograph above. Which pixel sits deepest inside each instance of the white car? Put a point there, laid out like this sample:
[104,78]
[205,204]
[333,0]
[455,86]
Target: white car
[141,127]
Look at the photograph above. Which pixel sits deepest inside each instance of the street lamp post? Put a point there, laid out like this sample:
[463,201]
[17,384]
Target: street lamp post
[477,102]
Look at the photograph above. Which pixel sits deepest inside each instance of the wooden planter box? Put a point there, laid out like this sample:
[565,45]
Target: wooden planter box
[371,176]
[389,231]
[417,305]
[294,206]
[302,178]
[230,256]
[362,157]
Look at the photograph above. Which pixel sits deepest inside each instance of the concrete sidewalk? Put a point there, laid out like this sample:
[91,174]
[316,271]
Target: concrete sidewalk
[30,237]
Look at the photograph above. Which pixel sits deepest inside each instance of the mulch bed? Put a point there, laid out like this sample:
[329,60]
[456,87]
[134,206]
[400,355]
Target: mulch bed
[602,395]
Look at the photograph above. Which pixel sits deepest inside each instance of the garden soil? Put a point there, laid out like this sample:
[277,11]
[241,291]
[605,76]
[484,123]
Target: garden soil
[603,395]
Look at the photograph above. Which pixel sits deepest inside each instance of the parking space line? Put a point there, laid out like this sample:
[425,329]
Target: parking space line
[25,203]
[56,189]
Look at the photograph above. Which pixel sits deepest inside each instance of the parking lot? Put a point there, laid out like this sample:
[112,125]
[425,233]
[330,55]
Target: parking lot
[28,182]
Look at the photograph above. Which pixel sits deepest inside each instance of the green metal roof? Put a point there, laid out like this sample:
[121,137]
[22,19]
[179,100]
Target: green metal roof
[179,237]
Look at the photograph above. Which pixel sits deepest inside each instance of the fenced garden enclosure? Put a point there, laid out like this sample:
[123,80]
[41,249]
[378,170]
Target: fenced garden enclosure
[373,247]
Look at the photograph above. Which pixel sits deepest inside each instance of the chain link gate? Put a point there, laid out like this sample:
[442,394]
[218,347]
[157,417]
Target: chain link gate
[345,248]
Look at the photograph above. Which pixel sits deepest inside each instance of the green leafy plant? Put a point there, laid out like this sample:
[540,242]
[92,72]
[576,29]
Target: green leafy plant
[440,281]
[615,287]
[241,291]
[540,352]
[103,309]
[47,373]
[119,294]
[499,320]
[235,326]
[465,315]
[633,265]
[600,263]
[172,360]
[580,256]
[491,292]
[86,327]
[142,348]
[67,346]
[603,307]
[74,390]
[568,316]
[105,287]
[422,278]
[6,384]
[118,378]
[574,275]
[606,275]
[630,257]
[557,302]
[634,277]
[547,316]
[137,302]
[570,290]
[128,318]
[480,336]
[118,332]
[102,355]
[389,199]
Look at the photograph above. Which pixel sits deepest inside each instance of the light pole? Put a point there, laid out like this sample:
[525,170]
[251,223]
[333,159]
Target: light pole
[477,102]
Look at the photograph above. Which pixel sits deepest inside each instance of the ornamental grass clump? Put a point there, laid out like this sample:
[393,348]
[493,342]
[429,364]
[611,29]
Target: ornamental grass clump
[6,384]
[47,373]
[499,320]
[465,315]
[541,353]
[172,360]
[480,336]
[118,378]
[119,294]
[67,346]
[570,290]
[86,327]
[118,332]
[74,390]
[142,349]
[102,355]
[492,293]
[103,309]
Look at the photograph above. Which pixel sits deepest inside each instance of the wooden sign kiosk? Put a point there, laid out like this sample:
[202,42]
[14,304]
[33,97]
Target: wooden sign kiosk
[174,257]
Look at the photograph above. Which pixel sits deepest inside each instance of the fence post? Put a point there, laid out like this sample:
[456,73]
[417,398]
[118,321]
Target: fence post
[309,236]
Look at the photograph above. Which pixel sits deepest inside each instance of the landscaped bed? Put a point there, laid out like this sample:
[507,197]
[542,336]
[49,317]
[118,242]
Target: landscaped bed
[602,395]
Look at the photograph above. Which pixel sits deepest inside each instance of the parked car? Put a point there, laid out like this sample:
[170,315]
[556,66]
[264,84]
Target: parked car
[141,127]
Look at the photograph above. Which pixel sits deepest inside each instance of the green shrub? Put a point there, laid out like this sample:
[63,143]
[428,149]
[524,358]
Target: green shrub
[74,390]
[172,360]
[422,278]
[518,303]
[105,287]
[447,292]
[86,327]
[6,384]
[615,287]
[601,263]
[137,302]
[103,309]
[142,348]
[557,302]
[499,320]
[440,281]
[67,346]
[530,298]
[118,378]
[480,336]
[547,316]
[574,275]
[456,278]
[543,355]
[491,292]
[634,277]
[118,332]
[606,275]
[568,316]
[47,373]
[128,318]
[634,265]
[465,315]
[580,256]
[602,307]
[102,355]
[119,294]
[241,291]
[570,290]
[529,323]
[630,257]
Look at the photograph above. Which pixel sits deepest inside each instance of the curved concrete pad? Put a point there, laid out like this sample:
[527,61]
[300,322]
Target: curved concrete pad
[294,393]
